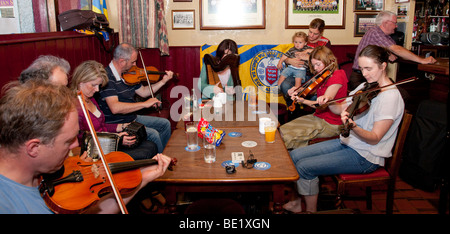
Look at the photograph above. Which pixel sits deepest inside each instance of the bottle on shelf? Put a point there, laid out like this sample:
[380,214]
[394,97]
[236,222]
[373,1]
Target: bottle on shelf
[444,26]
[433,25]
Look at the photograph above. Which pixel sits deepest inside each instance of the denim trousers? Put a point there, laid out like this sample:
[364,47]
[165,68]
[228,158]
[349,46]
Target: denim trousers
[158,130]
[326,158]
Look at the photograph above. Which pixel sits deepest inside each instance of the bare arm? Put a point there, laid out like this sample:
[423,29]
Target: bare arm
[406,54]
[118,107]
[109,205]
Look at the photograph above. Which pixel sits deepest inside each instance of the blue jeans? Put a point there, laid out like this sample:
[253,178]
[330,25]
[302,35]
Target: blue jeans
[290,75]
[158,130]
[326,158]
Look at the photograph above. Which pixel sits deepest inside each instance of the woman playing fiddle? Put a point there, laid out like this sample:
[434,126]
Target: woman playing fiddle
[87,78]
[322,123]
[370,141]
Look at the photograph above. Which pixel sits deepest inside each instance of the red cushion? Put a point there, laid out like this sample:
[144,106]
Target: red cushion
[380,172]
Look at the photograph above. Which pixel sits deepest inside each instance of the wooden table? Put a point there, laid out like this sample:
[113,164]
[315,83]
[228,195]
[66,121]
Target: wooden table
[234,114]
[192,174]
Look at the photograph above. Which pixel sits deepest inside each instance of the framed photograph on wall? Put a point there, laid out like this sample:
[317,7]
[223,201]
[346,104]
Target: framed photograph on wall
[299,13]
[232,14]
[368,5]
[183,19]
[363,22]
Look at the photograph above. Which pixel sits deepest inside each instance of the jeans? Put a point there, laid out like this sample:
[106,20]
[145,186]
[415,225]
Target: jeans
[146,150]
[326,158]
[158,130]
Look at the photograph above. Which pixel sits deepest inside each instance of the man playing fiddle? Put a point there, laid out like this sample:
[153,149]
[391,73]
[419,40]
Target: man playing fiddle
[39,127]
[117,98]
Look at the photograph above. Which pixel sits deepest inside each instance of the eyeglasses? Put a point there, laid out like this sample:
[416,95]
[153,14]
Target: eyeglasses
[394,22]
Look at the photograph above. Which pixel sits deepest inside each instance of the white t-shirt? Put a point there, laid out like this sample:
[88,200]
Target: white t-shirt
[386,105]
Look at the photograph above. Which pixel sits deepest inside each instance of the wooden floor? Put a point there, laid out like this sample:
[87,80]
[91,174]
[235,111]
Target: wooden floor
[408,200]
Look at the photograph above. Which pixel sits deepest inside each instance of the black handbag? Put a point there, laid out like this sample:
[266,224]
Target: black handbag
[88,20]
[82,19]
[135,129]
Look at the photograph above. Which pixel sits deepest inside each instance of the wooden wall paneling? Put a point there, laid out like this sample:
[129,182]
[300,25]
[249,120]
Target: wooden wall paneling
[18,51]
[15,60]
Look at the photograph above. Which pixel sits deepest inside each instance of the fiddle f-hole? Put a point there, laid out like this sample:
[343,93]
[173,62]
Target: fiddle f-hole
[92,190]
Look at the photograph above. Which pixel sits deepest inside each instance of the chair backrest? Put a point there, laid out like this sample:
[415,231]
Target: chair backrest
[393,164]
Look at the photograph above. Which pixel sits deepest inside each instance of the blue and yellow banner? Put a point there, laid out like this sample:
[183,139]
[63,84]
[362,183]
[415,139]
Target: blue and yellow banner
[99,6]
[258,68]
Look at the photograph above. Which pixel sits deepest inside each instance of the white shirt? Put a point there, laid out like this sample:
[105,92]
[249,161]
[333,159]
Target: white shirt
[386,105]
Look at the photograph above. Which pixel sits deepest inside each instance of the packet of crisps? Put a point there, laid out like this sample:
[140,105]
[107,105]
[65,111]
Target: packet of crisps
[206,130]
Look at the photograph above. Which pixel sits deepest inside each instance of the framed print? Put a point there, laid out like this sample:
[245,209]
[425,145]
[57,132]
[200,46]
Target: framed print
[232,14]
[183,19]
[363,22]
[299,13]
[368,5]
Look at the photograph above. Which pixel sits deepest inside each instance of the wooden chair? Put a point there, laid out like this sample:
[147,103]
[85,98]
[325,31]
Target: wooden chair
[386,175]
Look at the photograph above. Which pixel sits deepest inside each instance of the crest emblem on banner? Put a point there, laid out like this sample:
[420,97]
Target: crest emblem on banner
[263,69]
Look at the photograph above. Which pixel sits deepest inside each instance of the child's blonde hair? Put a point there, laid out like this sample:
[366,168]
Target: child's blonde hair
[301,35]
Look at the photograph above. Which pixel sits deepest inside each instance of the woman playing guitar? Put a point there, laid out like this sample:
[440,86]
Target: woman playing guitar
[323,123]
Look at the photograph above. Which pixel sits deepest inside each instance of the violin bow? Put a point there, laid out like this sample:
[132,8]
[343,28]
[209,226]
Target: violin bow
[119,199]
[308,83]
[148,80]
[370,90]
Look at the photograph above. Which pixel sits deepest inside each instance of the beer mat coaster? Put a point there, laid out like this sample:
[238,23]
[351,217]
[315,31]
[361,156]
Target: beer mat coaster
[192,150]
[234,134]
[261,166]
[259,112]
[249,144]
[229,163]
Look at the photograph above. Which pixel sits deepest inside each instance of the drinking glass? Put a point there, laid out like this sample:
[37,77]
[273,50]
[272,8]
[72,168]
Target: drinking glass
[269,131]
[210,150]
[191,135]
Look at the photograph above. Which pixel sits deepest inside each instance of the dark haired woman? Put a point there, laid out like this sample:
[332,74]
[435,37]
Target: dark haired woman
[371,138]
[227,77]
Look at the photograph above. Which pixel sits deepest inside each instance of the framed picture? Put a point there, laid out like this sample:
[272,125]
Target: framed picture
[363,22]
[299,13]
[234,14]
[401,1]
[368,5]
[183,19]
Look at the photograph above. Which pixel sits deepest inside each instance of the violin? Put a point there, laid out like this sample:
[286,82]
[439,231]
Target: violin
[361,101]
[79,184]
[310,87]
[136,75]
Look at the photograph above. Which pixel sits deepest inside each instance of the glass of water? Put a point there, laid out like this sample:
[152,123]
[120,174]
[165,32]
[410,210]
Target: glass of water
[191,135]
[210,149]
